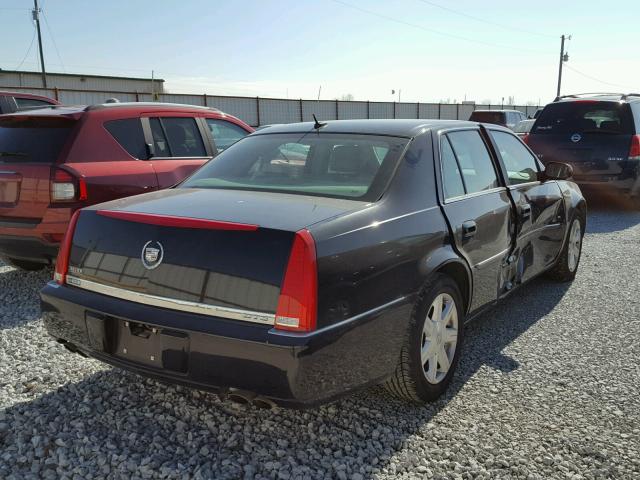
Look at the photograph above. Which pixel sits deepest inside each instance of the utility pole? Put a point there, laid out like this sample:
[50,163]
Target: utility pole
[36,18]
[563,58]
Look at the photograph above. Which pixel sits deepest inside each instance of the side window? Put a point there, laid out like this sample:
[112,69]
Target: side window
[225,133]
[176,137]
[30,103]
[160,144]
[451,175]
[128,133]
[473,157]
[520,164]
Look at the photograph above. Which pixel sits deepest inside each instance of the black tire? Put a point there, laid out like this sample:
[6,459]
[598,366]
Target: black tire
[25,264]
[561,270]
[409,381]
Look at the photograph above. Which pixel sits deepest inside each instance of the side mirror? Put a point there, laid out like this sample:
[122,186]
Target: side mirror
[151,151]
[558,171]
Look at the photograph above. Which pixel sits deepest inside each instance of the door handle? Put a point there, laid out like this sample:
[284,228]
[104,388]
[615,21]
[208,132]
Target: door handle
[469,229]
[525,211]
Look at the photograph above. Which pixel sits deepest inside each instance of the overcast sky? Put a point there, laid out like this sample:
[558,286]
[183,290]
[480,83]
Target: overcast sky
[480,50]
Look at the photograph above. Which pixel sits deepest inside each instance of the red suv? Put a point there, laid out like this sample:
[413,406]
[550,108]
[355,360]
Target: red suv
[12,101]
[56,160]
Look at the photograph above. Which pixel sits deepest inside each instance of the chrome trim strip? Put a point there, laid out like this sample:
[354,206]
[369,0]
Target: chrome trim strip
[341,323]
[173,304]
[475,194]
[491,258]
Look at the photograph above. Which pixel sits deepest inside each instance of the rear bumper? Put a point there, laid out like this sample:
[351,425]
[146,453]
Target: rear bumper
[32,249]
[36,241]
[211,353]
[625,180]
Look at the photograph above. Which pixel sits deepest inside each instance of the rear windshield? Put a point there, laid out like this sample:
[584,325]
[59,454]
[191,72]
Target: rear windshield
[487,117]
[329,165]
[585,116]
[38,140]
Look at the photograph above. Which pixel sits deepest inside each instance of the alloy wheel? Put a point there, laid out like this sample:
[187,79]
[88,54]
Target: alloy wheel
[439,338]
[575,245]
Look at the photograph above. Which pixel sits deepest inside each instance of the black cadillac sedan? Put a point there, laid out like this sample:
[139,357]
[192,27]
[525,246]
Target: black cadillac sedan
[309,260]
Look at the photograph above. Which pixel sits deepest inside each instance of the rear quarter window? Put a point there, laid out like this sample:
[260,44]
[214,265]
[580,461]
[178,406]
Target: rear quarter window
[585,116]
[128,133]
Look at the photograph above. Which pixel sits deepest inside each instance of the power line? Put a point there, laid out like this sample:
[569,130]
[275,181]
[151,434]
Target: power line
[596,79]
[437,32]
[489,22]
[28,50]
[53,40]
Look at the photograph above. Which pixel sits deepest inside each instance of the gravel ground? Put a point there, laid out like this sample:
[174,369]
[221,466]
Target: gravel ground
[548,387]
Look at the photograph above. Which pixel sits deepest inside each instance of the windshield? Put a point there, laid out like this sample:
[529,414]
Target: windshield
[17,136]
[330,165]
[585,116]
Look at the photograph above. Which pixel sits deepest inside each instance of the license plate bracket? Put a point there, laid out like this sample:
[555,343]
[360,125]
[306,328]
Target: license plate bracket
[152,346]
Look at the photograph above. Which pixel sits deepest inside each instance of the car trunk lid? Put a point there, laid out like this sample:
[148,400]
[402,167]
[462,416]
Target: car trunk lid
[228,258]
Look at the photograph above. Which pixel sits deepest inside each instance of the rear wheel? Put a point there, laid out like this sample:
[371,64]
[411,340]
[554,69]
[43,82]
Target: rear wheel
[566,266]
[26,265]
[432,346]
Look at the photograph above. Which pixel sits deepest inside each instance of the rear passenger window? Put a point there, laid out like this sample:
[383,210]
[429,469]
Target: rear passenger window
[477,167]
[176,137]
[520,164]
[128,133]
[225,133]
[451,176]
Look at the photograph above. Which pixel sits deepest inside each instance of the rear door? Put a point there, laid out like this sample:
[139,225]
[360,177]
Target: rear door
[478,209]
[179,146]
[593,136]
[539,208]
[30,146]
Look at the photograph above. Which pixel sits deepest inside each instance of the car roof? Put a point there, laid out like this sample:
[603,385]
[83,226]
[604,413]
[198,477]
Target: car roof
[601,97]
[393,127]
[122,108]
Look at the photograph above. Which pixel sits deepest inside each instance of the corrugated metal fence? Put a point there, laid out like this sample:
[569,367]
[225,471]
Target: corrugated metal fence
[258,111]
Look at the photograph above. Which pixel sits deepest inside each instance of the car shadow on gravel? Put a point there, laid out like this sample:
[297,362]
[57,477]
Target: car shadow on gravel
[20,295]
[118,420]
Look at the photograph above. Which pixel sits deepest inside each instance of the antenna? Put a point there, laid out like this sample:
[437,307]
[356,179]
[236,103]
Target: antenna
[317,125]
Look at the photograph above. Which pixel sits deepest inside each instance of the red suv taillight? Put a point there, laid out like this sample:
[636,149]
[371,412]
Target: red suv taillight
[65,187]
[634,150]
[525,138]
[62,262]
[298,302]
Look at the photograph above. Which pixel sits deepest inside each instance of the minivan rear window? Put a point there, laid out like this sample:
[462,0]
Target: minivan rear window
[585,116]
[330,165]
[32,139]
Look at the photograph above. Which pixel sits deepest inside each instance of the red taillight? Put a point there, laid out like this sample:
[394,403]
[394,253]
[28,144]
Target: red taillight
[634,150]
[297,305]
[525,138]
[67,188]
[62,262]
